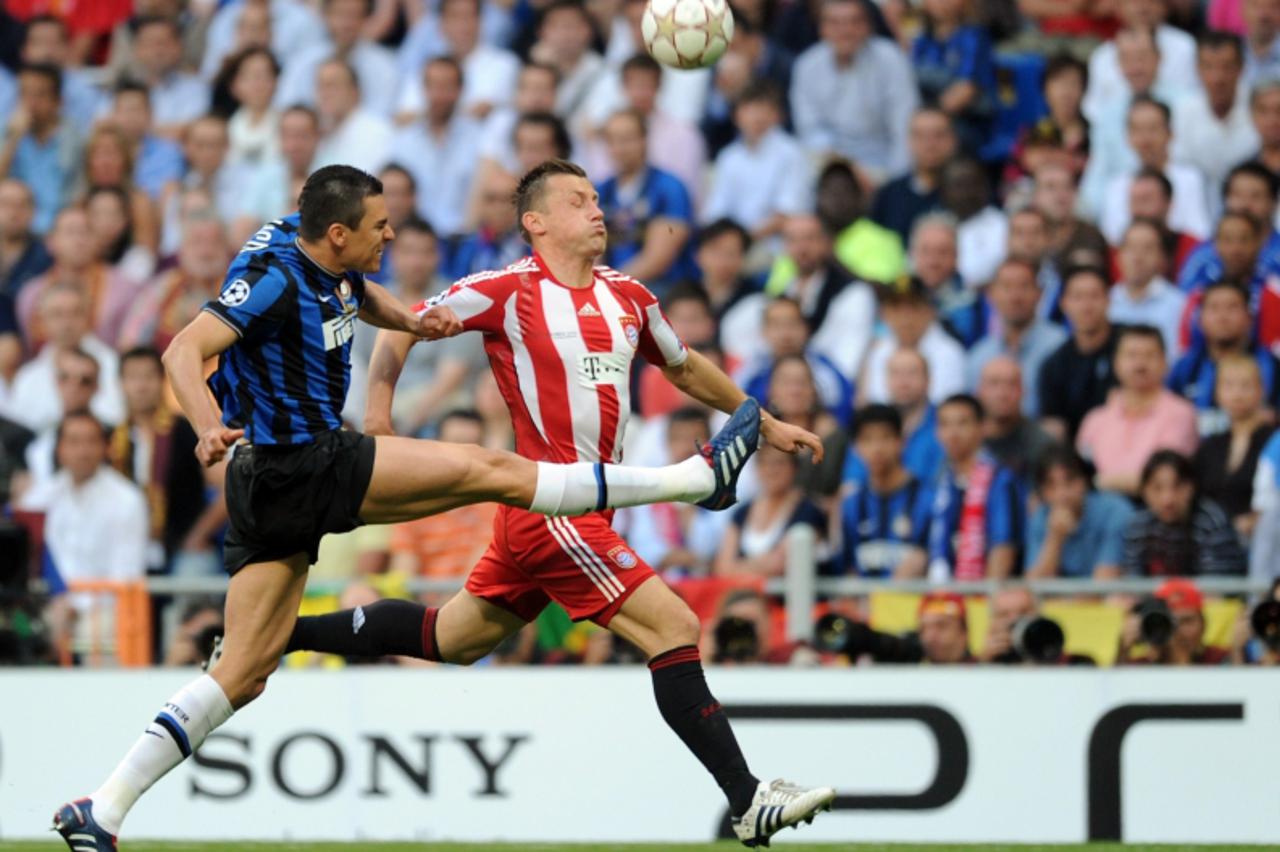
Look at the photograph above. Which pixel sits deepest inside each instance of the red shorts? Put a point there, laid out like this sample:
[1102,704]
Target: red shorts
[580,563]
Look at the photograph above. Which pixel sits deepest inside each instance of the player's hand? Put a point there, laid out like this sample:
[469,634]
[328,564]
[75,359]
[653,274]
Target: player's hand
[791,439]
[214,443]
[439,322]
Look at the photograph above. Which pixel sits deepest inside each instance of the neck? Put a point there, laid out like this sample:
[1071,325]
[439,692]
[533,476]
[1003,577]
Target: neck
[718,289]
[961,467]
[1139,399]
[942,29]
[1136,287]
[15,241]
[438,122]
[44,130]
[630,174]
[1013,333]
[321,255]
[80,481]
[912,415]
[145,416]
[1092,339]
[884,481]
[1220,348]
[998,427]
[569,269]
[1246,426]
[1221,108]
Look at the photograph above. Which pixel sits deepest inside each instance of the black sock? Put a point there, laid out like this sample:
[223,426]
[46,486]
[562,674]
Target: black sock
[698,719]
[384,628]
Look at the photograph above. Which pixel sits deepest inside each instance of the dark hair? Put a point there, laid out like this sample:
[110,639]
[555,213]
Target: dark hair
[722,226]
[142,353]
[532,186]
[1026,265]
[415,224]
[1055,456]
[1214,39]
[877,415]
[1240,290]
[1064,63]
[131,86]
[144,21]
[117,249]
[79,414]
[467,415]
[445,60]
[1147,100]
[761,91]
[1162,180]
[396,168]
[1253,168]
[344,65]
[302,109]
[783,299]
[635,115]
[1167,240]
[912,293]
[1259,229]
[542,66]
[686,291]
[967,400]
[571,5]
[1142,331]
[82,355]
[49,71]
[40,20]
[235,62]
[564,145]
[1075,272]
[642,62]
[475,4]
[690,414]
[1180,464]
[334,194]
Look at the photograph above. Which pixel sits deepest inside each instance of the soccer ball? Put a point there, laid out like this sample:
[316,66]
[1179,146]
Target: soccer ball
[687,33]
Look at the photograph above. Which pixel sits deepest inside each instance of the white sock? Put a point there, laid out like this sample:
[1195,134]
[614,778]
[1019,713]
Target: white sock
[179,729]
[574,489]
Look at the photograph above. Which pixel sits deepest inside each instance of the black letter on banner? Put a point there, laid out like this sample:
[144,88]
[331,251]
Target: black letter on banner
[953,750]
[1105,742]
[382,746]
[204,760]
[490,770]
[339,765]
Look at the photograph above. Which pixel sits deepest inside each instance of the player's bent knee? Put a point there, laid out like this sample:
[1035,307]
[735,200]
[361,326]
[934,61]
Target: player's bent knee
[681,627]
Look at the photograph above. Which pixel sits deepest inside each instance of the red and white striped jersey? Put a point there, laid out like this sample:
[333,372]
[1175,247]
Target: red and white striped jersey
[562,355]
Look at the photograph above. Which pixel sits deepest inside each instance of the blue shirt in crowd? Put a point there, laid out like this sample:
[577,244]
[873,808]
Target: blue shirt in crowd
[1195,376]
[1005,514]
[921,454]
[879,530]
[834,389]
[159,162]
[1097,540]
[628,212]
[49,169]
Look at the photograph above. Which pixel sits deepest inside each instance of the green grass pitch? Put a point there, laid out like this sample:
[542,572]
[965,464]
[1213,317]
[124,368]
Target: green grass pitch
[725,846]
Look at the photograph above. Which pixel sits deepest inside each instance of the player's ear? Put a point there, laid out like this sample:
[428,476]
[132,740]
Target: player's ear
[532,222]
[338,234]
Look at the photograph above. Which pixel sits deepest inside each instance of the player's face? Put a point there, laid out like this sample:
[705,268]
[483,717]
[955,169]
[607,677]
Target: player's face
[571,217]
[365,243]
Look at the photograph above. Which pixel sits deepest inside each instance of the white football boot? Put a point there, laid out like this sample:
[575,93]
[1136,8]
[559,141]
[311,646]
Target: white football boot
[777,806]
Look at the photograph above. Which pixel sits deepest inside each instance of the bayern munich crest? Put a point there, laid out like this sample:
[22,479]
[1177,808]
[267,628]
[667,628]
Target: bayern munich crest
[631,329]
[625,558]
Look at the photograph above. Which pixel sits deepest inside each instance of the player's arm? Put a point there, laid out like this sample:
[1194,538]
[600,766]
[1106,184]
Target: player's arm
[707,383]
[205,337]
[384,310]
[390,350]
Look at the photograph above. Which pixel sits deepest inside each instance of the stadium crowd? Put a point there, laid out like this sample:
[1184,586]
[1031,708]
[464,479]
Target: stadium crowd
[1017,262]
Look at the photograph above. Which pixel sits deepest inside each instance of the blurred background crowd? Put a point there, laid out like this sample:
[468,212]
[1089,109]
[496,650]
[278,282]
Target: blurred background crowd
[1015,261]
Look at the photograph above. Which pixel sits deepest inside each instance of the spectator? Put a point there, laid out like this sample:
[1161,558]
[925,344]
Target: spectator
[1144,294]
[1226,327]
[1227,462]
[198,627]
[741,633]
[982,229]
[1177,52]
[853,94]
[1264,111]
[48,41]
[446,545]
[1011,438]
[109,164]
[689,313]
[64,318]
[441,150]
[1151,197]
[881,526]
[786,334]
[678,539]
[1150,136]
[1212,125]
[74,264]
[721,257]
[157,161]
[647,210]
[539,136]
[39,147]
[535,92]
[349,133]
[76,384]
[1074,532]
[762,177]
[1073,241]
[23,255]
[1079,375]
[1262,40]
[1186,643]
[299,147]
[907,372]
[975,526]
[871,252]
[95,524]
[113,230]
[1015,295]
[1254,642]
[1009,605]
[14,478]
[496,241]
[955,69]
[1139,417]
[206,145]
[755,542]
[154,448]
[1029,241]
[912,323]
[167,303]
[944,630]
[565,37]
[793,398]
[344,22]
[254,126]
[931,141]
[177,98]
[1064,132]
[1179,533]
[961,309]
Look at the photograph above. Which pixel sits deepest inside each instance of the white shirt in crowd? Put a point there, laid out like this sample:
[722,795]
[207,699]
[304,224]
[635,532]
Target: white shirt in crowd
[1159,304]
[489,75]
[294,25]
[944,354]
[442,167]
[981,241]
[1189,212]
[362,140]
[375,68]
[1177,72]
[179,98]
[1213,145]
[33,400]
[753,182]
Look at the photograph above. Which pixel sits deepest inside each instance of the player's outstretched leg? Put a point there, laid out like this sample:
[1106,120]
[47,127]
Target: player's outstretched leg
[413,478]
[262,603]
[657,621]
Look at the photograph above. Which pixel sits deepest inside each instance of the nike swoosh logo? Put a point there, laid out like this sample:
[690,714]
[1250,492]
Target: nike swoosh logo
[324,298]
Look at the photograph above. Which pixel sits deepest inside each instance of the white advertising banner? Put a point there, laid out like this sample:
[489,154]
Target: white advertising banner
[551,754]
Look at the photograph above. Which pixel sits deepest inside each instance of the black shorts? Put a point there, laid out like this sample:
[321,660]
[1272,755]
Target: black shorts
[282,499]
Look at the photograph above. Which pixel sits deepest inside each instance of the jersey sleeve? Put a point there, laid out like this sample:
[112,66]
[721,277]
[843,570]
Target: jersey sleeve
[253,300]
[658,341]
[478,300]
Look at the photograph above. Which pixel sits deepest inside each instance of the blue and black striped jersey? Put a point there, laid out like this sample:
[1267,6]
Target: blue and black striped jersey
[877,531]
[285,380]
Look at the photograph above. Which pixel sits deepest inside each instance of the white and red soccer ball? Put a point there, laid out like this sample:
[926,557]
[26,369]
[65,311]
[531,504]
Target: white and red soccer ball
[687,33]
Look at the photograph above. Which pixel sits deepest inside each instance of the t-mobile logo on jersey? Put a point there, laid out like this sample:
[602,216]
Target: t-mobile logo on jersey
[602,368]
[338,331]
